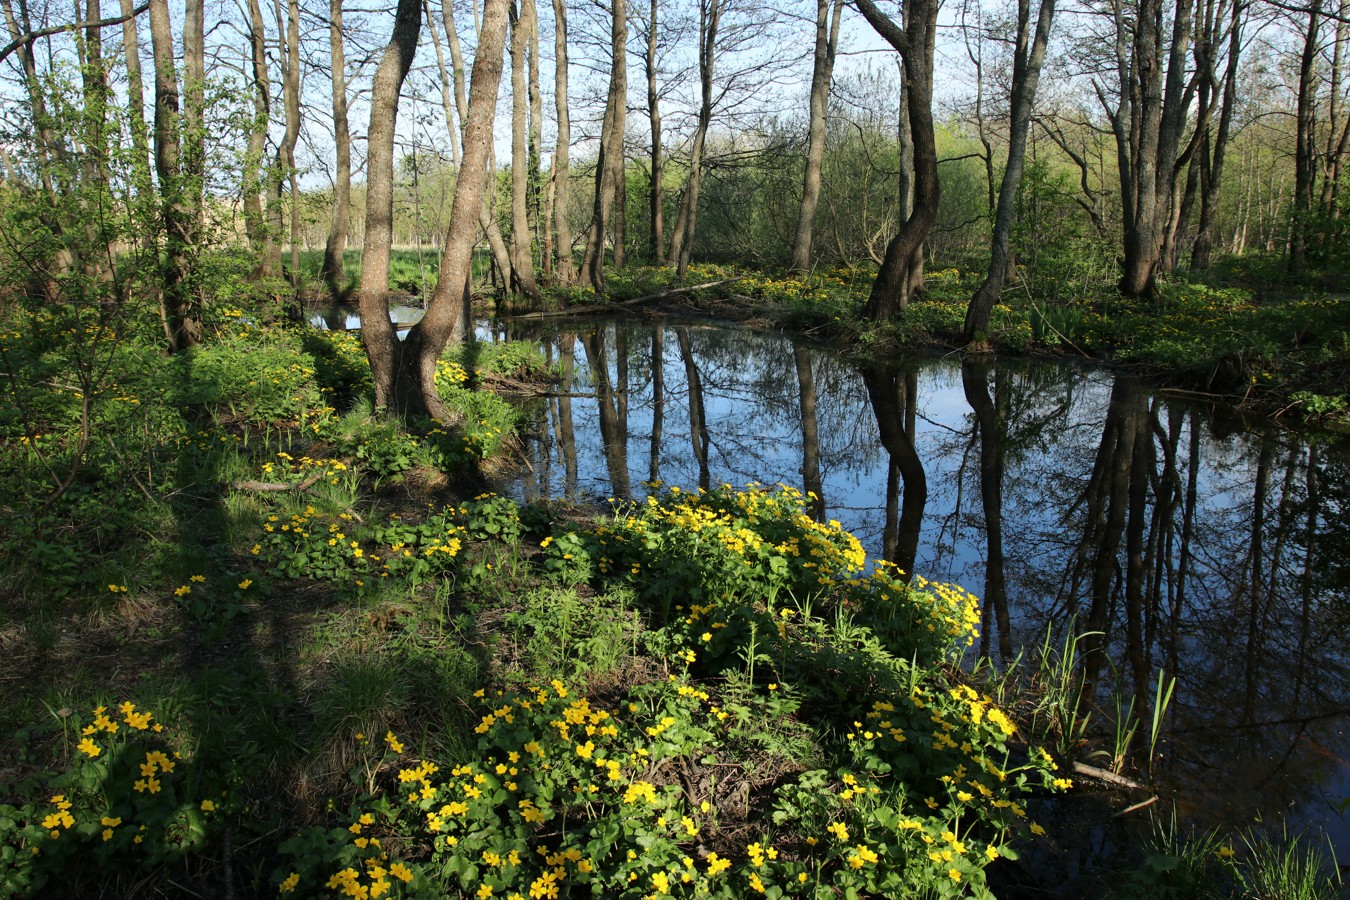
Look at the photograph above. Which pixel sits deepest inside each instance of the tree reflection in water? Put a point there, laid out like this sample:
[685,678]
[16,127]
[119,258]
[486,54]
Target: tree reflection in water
[1063,497]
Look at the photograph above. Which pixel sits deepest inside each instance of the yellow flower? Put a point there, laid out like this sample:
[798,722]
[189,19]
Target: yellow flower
[401,872]
[954,874]
[245,584]
[89,748]
[1036,829]
[289,885]
[208,806]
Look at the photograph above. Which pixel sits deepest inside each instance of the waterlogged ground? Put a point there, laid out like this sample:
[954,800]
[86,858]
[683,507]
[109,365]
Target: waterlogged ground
[1201,548]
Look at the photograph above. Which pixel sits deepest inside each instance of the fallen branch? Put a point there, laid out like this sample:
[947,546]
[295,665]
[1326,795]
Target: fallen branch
[1142,804]
[649,298]
[1108,777]
[275,485]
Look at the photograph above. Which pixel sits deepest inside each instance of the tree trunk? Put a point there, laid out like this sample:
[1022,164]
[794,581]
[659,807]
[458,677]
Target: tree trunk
[686,222]
[562,228]
[522,261]
[1305,152]
[410,386]
[285,170]
[377,333]
[447,85]
[609,167]
[260,236]
[822,74]
[1148,124]
[656,240]
[915,45]
[1212,171]
[332,272]
[534,185]
[1026,78]
[140,134]
[180,311]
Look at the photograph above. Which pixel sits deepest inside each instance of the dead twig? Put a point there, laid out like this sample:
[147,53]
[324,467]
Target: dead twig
[275,485]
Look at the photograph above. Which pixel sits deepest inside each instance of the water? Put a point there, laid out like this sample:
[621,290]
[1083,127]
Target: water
[1203,549]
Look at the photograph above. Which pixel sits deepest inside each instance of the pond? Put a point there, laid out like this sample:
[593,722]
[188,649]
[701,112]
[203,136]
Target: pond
[1063,496]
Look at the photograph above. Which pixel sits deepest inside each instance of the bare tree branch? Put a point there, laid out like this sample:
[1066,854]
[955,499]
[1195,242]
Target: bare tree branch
[72,26]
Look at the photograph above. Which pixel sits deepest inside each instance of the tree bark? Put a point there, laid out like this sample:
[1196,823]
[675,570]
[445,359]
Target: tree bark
[447,84]
[822,74]
[1305,152]
[180,309]
[656,200]
[260,236]
[522,261]
[1215,153]
[286,172]
[140,134]
[332,272]
[410,386]
[377,333]
[1026,78]
[1149,123]
[915,44]
[564,270]
[686,221]
[609,167]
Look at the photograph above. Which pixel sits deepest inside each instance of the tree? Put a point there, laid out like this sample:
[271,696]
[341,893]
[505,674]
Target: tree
[686,221]
[336,245]
[559,174]
[1027,59]
[655,198]
[522,259]
[1212,149]
[610,166]
[915,44]
[1148,120]
[827,41]
[261,238]
[405,372]
[1305,152]
[179,155]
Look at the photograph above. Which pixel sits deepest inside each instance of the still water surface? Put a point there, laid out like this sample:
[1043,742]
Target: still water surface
[1059,494]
